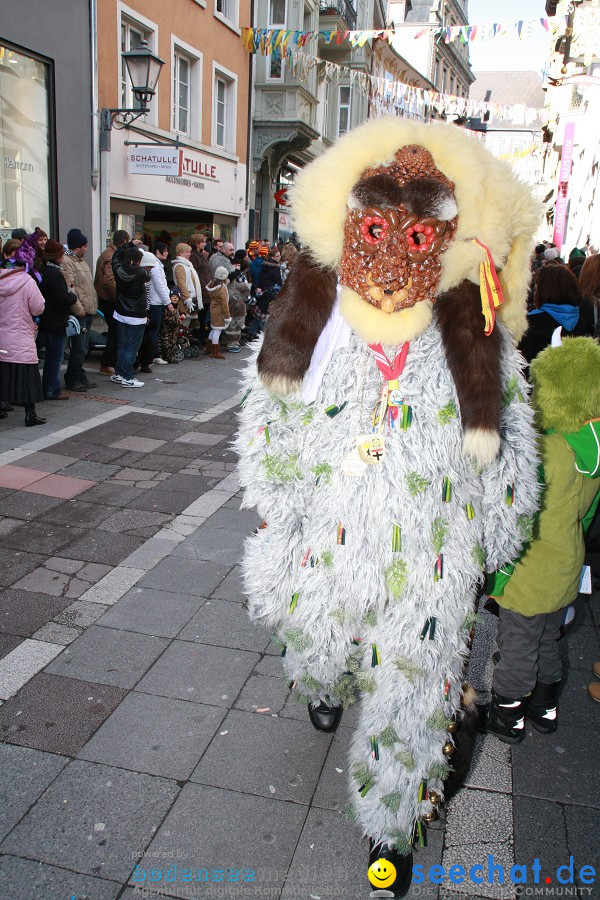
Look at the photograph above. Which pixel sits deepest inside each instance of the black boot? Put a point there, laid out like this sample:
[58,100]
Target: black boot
[506,718]
[542,709]
[30,416]
[325,717]
[386,864]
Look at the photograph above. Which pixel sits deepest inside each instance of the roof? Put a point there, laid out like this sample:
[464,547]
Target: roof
[508,89]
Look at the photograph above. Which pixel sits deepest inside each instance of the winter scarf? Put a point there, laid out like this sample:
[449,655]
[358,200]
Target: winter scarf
[192,281]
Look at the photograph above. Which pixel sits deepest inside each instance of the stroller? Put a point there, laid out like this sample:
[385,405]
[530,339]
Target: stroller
[187,344]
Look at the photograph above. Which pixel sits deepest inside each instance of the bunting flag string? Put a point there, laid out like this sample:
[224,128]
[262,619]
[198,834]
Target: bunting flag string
[274,40]
[400,96]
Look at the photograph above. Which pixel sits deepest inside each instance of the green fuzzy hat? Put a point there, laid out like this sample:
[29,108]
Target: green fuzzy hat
[566,384]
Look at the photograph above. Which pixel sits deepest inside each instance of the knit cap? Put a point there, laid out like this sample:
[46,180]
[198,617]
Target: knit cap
[53,250]
[253,246]
[264,251]
[221,273]
[76,239]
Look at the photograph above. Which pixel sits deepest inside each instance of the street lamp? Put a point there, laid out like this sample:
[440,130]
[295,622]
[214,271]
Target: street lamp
[143,69]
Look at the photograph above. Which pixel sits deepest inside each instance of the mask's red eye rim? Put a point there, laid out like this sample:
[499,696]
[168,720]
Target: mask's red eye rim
[420,237]
[379,224]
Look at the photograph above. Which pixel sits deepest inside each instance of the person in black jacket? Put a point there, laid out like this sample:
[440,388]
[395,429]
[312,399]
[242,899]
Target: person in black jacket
[53,322]
[270,275]
[131,311]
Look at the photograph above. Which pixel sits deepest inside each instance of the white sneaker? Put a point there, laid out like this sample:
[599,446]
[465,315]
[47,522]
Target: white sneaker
[131,382]
[118,379]
[160,362]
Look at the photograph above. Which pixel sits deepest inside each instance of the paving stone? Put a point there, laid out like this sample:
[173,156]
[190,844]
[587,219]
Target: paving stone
[221,537]
[67,566]
[86,795]
[163,463]
[224,828]
[95,471]
[259,753]
[582,648]
[91,453]
[23,663]
[131,474]
[226,625]
[159,499]
[57,714]
[270,666]
[332,791]
[101,545]
[80,614]
[22,612]
[562,765]
[478,816]
[200,673]
[582,839]
[174,449]
[474,854]
[203,438]
[184,576]
[488,769]
[156,735]
[207,504]
[43,537]
[7,526]
[16,477]
[147,611]
[59,486]
[108,656]
[8,642]
[263,692]
[56,633]
[47,462]
[26,506]
[113,586]
[331,860]
[574,704]
[78,513]
[33,772]
[110,493]
[179,528]
[14,565]
[26,878]
[552,851]
[93,572]
[150,553]
[193,484]
[44,581]
[139,444]
[135,521]
[231,587]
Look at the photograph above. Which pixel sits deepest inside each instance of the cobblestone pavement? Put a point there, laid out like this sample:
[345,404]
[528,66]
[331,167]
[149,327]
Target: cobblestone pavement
[145,727]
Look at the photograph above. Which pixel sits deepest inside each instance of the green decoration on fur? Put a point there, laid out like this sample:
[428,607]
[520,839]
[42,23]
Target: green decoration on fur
[438,771]
[308,415]
[395,578]
[447,413]
[282,469]
[365,683]
[525,525]
[354,661]
[407,759]
[361,772]
[349,812]
[322,472]
[410,671]
[511,391]
[283,408]
[416,484]
[298,640]
[327,559]
[437,721]
[338,614]
[392,801]
[370,618]
[345,691]
[478,556]
[389,736]
[470,620]
[402,843]
[439,533]
[311,684]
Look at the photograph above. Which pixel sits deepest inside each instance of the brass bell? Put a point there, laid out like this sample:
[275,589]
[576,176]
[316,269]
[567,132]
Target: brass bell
[448,748]
[452,727]
[434,797]
[430,816]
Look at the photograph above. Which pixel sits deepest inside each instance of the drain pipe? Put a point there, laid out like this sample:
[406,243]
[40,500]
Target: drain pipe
[94,92]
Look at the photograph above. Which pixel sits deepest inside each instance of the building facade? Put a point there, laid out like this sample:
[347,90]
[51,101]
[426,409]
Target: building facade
[196,127]
[48,159]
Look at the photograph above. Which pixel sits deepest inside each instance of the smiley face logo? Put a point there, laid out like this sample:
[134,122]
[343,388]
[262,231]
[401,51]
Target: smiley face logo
[382,873]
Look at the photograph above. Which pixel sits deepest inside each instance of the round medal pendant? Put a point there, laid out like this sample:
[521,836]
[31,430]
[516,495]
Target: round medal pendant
[394,398]
[371,448]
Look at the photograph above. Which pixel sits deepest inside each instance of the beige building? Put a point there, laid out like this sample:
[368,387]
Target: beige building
[201,106]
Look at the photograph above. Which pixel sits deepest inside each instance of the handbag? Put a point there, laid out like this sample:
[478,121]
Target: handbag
[73,326]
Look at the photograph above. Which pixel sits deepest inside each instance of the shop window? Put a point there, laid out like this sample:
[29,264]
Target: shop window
[224,109]
[186,94]
[25,143]
[344,109]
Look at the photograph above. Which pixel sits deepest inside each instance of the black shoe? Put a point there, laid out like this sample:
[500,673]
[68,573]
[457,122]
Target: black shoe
[6,407]
[3,415]
[383,863]
[90,384]
[31,418]
[506,718]
[325,717]
[542,709]
[76,388]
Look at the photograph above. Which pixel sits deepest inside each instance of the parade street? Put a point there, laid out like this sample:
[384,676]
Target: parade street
[149,742]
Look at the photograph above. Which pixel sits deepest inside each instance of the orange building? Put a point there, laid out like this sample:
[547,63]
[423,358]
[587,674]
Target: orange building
[201,106]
